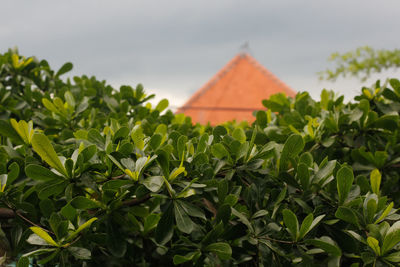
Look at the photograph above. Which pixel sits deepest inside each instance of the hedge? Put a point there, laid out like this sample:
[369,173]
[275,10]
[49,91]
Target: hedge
[92,175]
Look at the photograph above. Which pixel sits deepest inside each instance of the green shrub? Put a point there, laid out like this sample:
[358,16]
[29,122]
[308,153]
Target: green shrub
[93,175]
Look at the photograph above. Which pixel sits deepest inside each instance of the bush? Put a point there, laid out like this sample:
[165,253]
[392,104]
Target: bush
[93,175]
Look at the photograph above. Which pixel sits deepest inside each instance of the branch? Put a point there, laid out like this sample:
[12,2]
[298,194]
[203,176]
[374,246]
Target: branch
[276,240]
[6,213]
[210,206]
[136,201]
[118,177]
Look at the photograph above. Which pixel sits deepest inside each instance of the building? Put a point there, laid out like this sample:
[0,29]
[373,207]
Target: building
[234,92]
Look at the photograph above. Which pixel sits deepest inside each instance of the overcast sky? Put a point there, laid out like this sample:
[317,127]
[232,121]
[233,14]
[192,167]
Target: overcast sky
[175,47]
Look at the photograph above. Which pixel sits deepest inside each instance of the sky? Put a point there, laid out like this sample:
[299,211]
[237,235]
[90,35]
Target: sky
[174,47]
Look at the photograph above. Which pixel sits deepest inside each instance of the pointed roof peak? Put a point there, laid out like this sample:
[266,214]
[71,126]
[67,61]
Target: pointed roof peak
[234,92]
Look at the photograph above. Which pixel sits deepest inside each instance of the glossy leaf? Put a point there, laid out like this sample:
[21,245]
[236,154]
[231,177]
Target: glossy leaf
[41,144]
[44,235]
[345,180]
[291,222]
[223,250]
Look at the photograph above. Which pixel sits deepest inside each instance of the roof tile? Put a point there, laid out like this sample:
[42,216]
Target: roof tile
[234,92]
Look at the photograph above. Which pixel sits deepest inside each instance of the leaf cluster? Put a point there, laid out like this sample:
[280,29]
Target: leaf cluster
[94,175]
[361,63]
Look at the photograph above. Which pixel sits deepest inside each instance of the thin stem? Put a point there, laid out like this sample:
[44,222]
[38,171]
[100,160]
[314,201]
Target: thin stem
[10,213]
[276,240]
[32,223]
[136,201]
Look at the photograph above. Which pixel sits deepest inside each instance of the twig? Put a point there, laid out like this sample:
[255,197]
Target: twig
[136,201]
[8,213]
[32,223]
[276,240]
[73,242]
[118,177]
[210,206]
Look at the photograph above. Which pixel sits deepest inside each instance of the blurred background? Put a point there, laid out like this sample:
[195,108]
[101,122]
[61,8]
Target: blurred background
[174,47]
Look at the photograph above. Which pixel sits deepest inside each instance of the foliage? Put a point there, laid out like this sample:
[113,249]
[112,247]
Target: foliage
[93,175]
[361,63]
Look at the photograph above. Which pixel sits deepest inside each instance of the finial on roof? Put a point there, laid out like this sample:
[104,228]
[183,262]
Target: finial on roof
[244,48]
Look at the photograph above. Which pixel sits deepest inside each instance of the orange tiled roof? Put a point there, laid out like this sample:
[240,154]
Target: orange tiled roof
[234,92]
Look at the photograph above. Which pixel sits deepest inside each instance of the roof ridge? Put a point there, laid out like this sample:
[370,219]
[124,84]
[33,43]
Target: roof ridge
[266,72]
[219,75]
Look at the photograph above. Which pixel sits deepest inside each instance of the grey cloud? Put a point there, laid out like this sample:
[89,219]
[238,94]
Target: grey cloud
[178,45]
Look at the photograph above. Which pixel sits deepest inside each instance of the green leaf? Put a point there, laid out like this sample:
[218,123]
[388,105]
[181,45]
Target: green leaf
[303,175]
[8,131]
[324,172]
[49,258]
[262,118]
[392,237]
[150,222]
[346,214]
[69,97]
[239,135]
[53,188]
[46,207]
[385,213]
[291,222]
[281,196]
[23,262]
[345,180]
[395,83]
[219,151]
[153,183]
[49,105]
[163,160]
[219,130]
[24,129]
[80,253]
[163,104]
[223,213]
[81,228]
[165,227]
[45,236]
[13,173]
[68,212]
[96,138]
[315,222]
[387,122]
[183,221]
[393,257]
[374,244]
[375,178]
[192,210]
[39,251]
[155,141]
[371,208]
[41,144]
[179,259]
[223,250]
[64,69]
[259,213]
[40,173]
[305,225]
[83,203]
[243,219]
[326,244]
[138,136]
[115,184]
[292,147]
